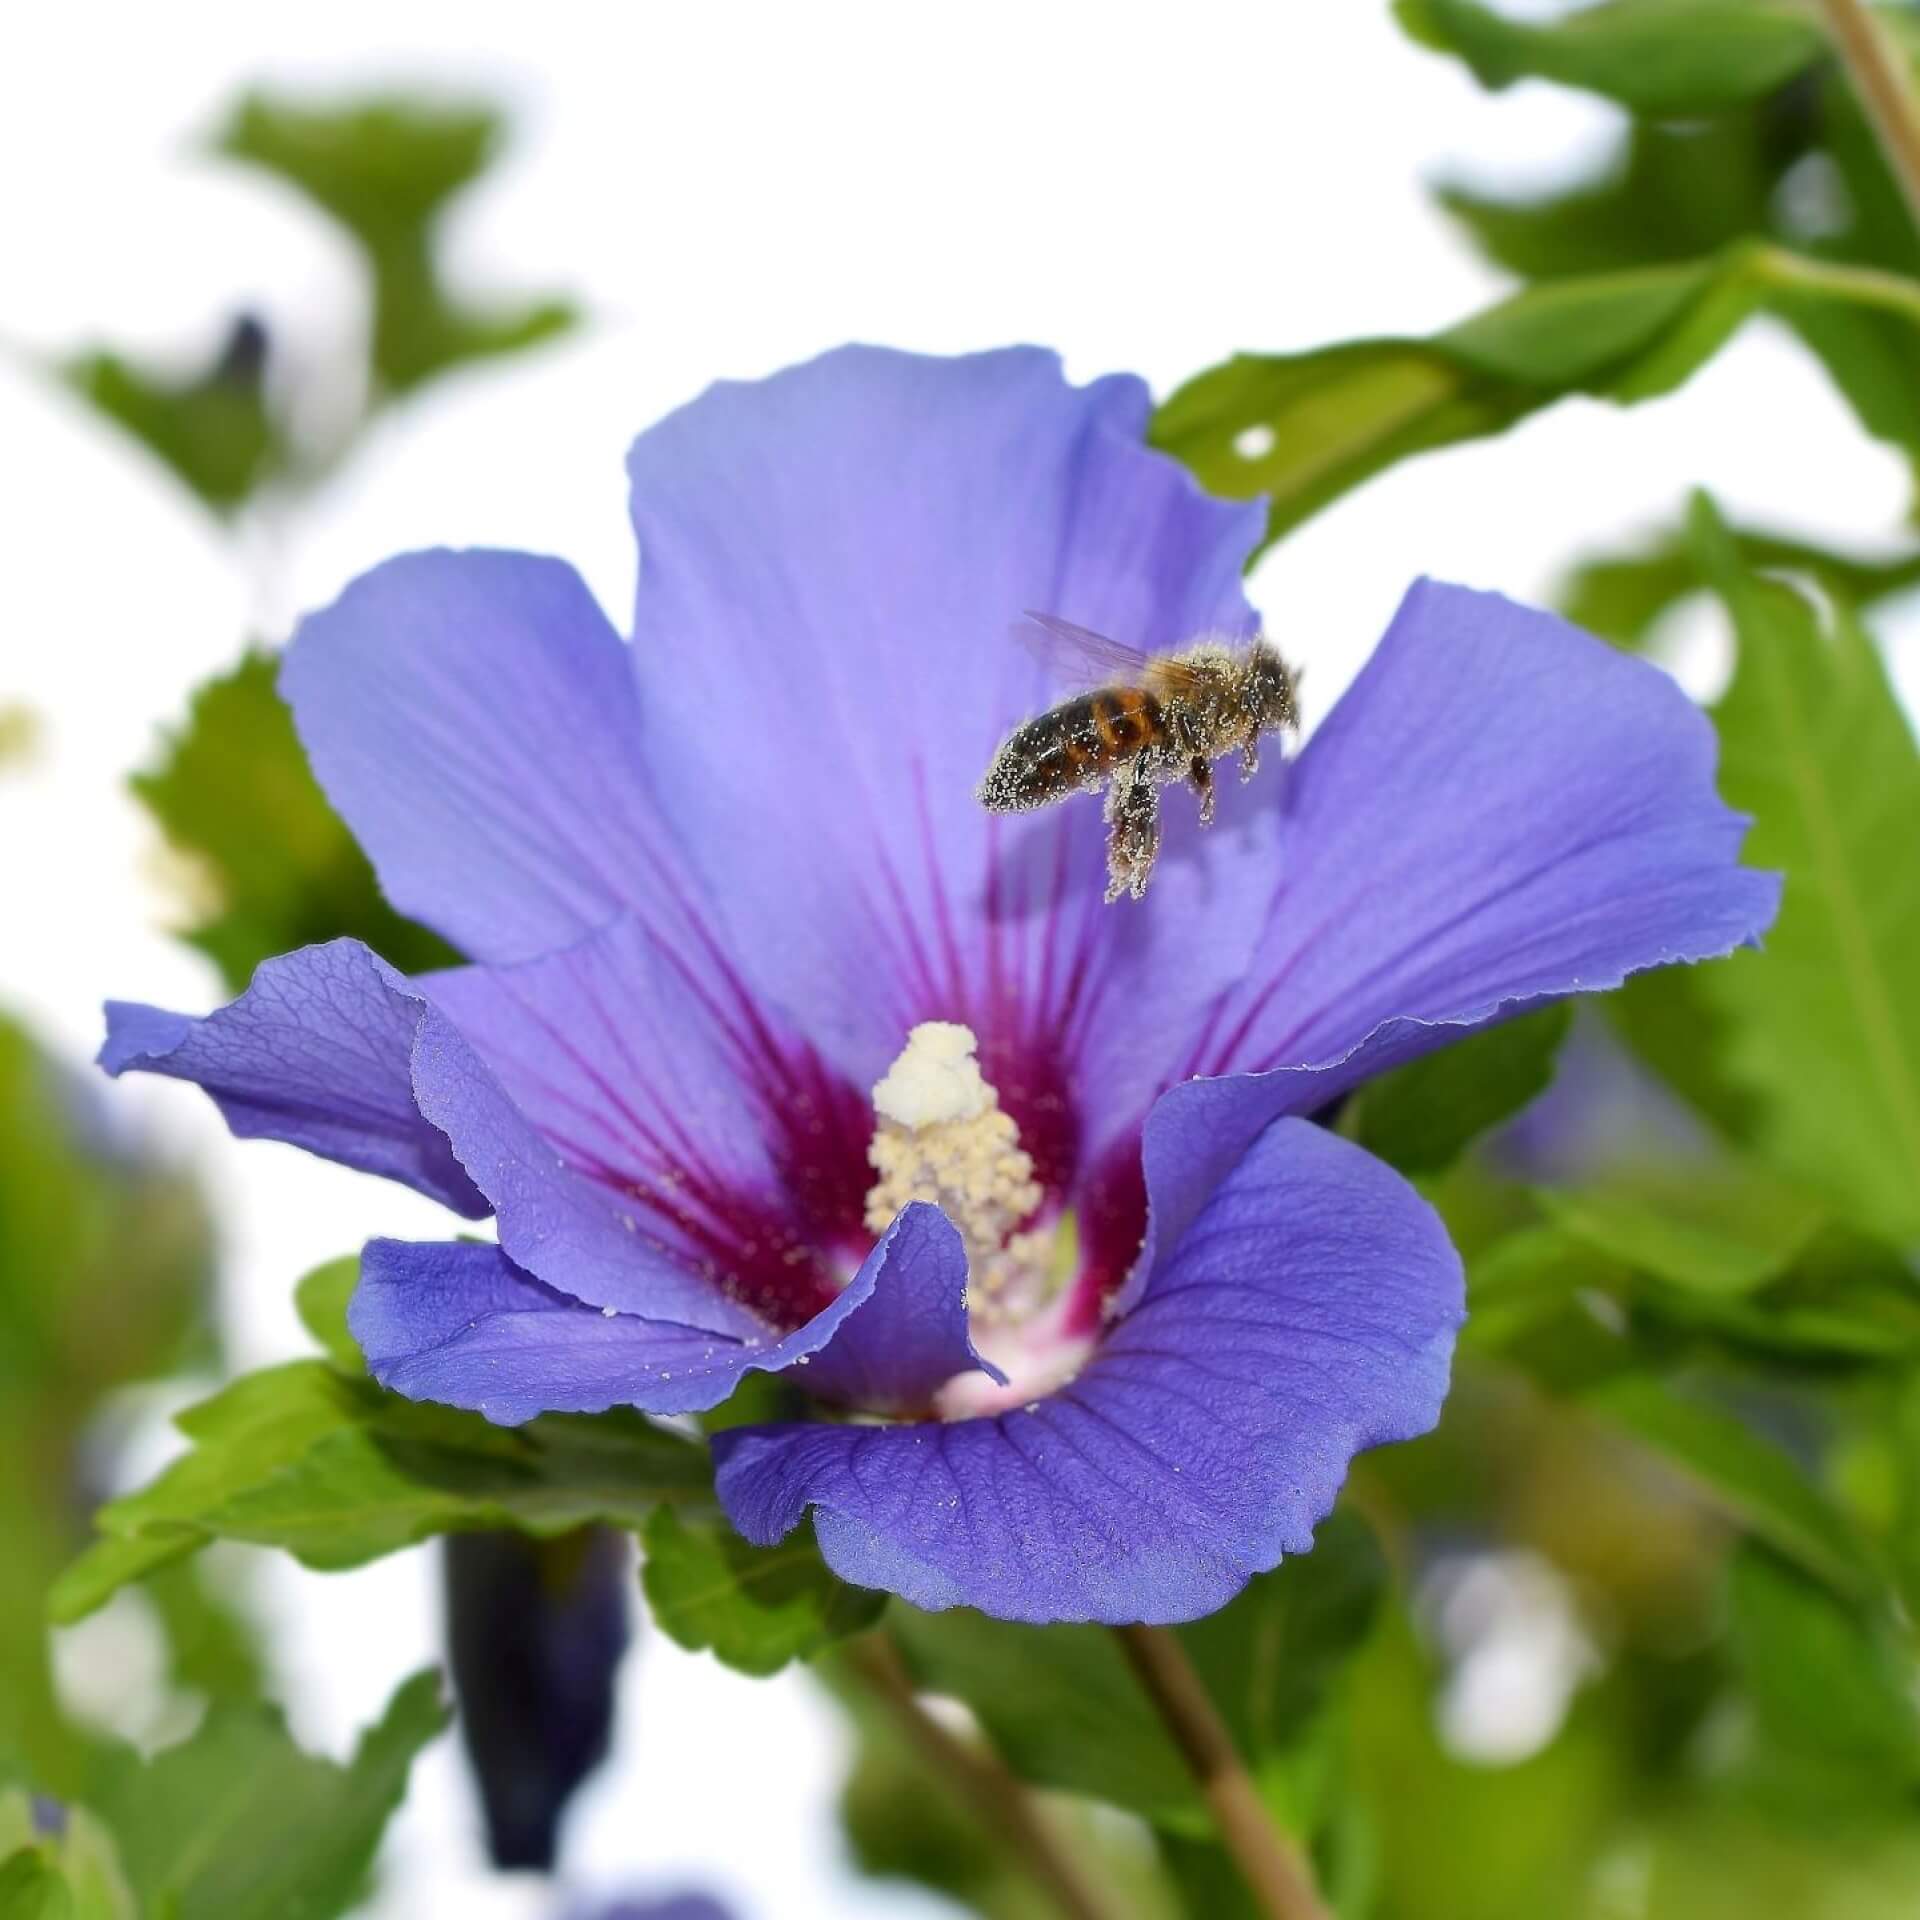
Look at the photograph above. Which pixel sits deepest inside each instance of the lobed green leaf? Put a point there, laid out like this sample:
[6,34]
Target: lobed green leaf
[754,1608]
[233,791]
[237,1823]
[337,1472]
[1663,57]
[1305,428]
[1823,1025]
[386,170]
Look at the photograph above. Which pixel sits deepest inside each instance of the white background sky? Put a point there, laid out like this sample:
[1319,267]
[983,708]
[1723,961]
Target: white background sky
[726,188]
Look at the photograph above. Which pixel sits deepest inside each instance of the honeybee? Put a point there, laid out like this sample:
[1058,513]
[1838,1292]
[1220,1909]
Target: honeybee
[1153,719]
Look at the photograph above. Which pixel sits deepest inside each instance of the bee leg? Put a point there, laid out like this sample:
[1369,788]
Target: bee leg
[1249,756]
[1200,778]
[1133,820]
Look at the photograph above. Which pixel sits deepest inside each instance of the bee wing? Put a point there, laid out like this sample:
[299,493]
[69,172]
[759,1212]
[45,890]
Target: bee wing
[1080,659]
[1076,656]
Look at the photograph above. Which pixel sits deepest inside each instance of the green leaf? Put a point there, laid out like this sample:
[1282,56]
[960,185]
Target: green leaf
[1062,1707]
[1526,1280]
[1271,1657]
[337,1473]
[33,1888]
[1621,595]
[1823,1026]
[387,171]
[73,1872]
[1663,57]
[1423,1116]
[754,1608]
[1829,1686]
[1722,1228]
[1305,428]
[237,1823]
[213,429]
[1671,194]
[234,792]
[320,1298]
[1749,1479]
[105,1276]
[905,1820]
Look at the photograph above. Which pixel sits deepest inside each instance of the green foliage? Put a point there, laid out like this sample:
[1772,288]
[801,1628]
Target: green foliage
[1832,1690]
[337,1472]
[1304,428]
[902,1823]
[1823,1026]
[237,1823]
[1059,1704]
[72,1873]
[1423,1116]
[754,1608]
[233,791]
[1622,595]
[1665,57]
[1724,1228]
[213,428]
[104,1276]
[321,1299]
[386,170]
[1751,1481]
[1063,1708]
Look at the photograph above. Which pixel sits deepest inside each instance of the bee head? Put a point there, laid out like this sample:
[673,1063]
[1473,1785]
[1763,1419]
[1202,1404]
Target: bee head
[1269,690]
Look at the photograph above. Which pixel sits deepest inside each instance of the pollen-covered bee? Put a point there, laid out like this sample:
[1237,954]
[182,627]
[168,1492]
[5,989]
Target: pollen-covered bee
[1153,720]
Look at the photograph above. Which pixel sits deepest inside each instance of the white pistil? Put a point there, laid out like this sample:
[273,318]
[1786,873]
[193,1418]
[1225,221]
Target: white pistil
[941,1136]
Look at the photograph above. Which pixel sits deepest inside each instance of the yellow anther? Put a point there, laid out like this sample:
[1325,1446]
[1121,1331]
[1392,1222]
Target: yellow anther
[941,1136]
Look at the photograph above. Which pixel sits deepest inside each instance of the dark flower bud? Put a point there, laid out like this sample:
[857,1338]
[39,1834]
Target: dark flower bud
[535,1630]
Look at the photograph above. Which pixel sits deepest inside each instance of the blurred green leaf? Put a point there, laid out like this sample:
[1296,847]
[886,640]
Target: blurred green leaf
[1622,595]
[1668,1018]
[33,1888]
[1724,1228]
[1305,428]
[1752,1481]
[1677,57]
[387,170]
[1062,1707]
[1423,1116]
[105,1271]
[213,429]
[320,1298]
[903,1824]
[905,1819]
[1823,1025]
[754,1608]
[1459,1837]
[72,1872]
[1832,1689]
[1526,1279]
[1672,193]
[1270,1658]
[234,792]
[337,1472]
[236,1823]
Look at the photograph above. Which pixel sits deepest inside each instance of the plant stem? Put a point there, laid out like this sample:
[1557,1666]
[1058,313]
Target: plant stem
[1876,67]
[1270,1864]
[977,1776]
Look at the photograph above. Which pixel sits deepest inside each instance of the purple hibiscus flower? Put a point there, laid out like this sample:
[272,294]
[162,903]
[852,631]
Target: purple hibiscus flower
[779,1052]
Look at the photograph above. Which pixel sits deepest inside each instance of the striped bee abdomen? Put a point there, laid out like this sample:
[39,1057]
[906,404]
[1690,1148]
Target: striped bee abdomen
[1074,745]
